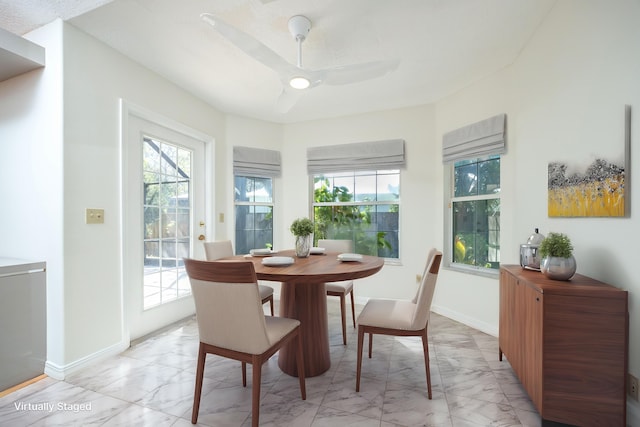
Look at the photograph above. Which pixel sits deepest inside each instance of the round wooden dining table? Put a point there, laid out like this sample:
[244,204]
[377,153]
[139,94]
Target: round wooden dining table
[303,296]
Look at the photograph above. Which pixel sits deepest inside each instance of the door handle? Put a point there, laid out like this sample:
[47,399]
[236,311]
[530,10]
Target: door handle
[201,237]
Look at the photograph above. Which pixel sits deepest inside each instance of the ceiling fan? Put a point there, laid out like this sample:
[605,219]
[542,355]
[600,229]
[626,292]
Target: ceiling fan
[296,79]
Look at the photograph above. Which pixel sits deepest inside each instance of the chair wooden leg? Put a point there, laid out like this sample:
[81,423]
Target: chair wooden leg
[425,345]
[244,374]
[300,360]
[269,299]
[202,355]
[370,344]
[256,367]
[343,308]
[359,365]
[353,310]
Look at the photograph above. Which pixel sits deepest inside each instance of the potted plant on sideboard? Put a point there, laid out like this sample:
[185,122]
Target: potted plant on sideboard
[557,261]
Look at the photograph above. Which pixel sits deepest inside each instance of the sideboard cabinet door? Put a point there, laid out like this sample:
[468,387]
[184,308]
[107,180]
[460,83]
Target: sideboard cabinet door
[521,332]
[567,341]
[530,315]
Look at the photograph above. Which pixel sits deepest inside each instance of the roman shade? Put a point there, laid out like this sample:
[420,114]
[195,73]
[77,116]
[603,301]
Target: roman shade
[374,155]
[257,162]
[480,139]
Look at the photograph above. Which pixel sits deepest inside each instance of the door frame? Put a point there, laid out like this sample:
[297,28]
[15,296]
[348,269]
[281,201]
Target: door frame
[127,110]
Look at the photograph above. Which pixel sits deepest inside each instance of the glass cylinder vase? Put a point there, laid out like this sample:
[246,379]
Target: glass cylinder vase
[303,245]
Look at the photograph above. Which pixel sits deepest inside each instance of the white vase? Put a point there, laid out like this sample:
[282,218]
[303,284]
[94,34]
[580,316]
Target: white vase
[303,245]
[557,268]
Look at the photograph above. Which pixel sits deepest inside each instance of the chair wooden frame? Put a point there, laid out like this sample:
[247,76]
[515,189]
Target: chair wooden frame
[241,272]
[224,248]
[256,360]
[422,333]
[343,308]
[268,299]
[342,294]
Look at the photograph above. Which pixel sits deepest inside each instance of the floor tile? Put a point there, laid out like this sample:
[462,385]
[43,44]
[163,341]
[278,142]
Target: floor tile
[152,384]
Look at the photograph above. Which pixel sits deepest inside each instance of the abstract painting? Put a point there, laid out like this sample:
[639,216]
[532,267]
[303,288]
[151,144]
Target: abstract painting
[594,190]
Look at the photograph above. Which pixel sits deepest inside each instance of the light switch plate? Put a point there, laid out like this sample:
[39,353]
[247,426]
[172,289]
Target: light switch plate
[94,216]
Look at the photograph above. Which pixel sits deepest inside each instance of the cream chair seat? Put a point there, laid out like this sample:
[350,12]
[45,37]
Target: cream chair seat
[400,317]
[340,289]
[232,324]
[224,248]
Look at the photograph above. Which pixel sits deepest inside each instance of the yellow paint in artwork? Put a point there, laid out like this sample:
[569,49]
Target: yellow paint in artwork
[598,198]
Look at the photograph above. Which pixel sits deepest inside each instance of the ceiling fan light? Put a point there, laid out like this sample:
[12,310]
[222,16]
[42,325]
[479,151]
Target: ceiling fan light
[299,82]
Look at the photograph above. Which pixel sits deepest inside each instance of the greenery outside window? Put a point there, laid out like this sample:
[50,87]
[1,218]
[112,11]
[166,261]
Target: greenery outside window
[362,206]
[475,214]
[167,182]
[253,213]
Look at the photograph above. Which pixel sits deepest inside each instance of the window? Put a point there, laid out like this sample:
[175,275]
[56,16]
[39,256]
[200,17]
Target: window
[475,213]
[362,206]
[253,212]
[167,221]
[472,192]
[254,170]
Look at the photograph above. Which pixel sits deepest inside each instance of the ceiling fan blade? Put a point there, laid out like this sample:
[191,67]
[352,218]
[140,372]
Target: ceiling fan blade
[288,98]
[357,72]
[250,45]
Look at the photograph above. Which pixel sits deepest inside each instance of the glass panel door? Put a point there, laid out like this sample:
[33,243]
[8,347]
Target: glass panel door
[167,220]
[164,199]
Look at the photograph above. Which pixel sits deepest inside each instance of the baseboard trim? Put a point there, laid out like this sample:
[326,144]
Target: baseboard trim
[464,319]
[633,413]
[633,408]
[59,372]
[453,315]
[22,385]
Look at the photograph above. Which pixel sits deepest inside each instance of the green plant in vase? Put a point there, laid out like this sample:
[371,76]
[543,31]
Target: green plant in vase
[557,261]
[303,229]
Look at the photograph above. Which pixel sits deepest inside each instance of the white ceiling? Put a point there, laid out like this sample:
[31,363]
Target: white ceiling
[442,45]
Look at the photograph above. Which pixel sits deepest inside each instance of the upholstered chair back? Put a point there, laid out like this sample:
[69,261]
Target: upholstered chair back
[228,305]
[426,290]
[218,249]
[342,246]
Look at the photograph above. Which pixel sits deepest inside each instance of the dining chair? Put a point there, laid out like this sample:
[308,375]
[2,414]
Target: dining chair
[401,317]
[232,324]
[222,249]
[340,289]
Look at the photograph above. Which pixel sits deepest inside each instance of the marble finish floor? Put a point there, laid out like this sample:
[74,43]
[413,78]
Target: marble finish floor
[151,384]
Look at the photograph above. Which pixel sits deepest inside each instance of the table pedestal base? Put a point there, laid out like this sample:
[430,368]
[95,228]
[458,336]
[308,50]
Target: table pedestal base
[306,302]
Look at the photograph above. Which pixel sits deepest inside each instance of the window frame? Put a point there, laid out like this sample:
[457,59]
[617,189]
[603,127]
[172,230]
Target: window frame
[237,203]
[356,171]
[449,194]
[165,210]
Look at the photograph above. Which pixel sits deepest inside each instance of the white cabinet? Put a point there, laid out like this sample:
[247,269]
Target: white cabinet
[23,321]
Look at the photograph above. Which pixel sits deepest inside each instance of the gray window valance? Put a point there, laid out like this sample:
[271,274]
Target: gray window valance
[256,162]
[478,139]
[373,155]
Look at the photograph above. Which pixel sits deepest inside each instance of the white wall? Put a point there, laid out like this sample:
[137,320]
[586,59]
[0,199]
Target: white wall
[96,78]
[60,133]
[31,171]
[564,98]
[421,192]
[241,131]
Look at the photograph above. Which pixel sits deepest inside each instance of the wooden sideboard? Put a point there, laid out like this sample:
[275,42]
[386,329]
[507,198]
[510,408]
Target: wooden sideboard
[567,342]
